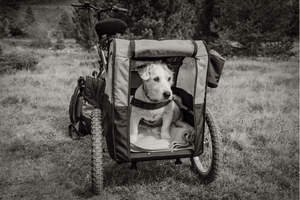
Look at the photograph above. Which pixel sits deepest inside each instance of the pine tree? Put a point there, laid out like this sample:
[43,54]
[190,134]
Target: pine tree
[153,19]
[294,23]
[180,20]
[4,28]
[8,9]
[29,16]
[258,26]
[8,12]
[206,12]
[60,43]
[66,25]
[84,28]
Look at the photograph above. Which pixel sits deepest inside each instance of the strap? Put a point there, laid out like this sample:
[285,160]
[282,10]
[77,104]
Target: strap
[132,46]
[149,106]
[195,48]
[72,106]
[73,132]
[181,106]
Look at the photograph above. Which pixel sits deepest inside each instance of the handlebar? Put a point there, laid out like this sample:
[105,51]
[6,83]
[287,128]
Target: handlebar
[117,9]
[87,6]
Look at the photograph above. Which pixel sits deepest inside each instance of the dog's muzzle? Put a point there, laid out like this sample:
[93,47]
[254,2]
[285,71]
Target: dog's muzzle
[167,95]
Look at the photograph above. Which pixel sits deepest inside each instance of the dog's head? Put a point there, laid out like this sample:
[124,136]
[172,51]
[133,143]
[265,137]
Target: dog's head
[157,79]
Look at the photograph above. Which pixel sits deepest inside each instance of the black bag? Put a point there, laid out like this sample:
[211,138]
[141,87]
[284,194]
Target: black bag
[214,69]
[87,95]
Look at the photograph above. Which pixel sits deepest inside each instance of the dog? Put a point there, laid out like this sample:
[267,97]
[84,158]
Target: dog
[156,88]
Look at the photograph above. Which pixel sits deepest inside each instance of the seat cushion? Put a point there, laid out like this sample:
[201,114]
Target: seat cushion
[110,26]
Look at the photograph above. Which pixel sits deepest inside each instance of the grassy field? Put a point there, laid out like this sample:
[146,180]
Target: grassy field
[256,105]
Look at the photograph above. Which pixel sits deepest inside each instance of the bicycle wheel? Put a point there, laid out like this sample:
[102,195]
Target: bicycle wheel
[207,164]
[97,165]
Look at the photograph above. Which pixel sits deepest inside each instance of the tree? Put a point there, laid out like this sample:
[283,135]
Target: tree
[8,9]
[168,19]
[8,13]
[206,13]
[60,44]
[294,23]
[258,26]
[153,19]
[4,28]
[29,16]
[66,25]
[84,31]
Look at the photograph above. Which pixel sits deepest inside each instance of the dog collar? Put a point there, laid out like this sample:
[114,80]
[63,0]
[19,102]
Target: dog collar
[149,106]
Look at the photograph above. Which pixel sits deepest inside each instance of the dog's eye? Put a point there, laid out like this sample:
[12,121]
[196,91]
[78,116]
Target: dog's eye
[169,79]
[156,79]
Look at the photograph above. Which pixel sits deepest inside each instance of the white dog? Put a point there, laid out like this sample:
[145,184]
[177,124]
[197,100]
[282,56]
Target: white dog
[155,90]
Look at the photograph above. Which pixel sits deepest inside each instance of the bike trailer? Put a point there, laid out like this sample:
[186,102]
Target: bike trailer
[189,60]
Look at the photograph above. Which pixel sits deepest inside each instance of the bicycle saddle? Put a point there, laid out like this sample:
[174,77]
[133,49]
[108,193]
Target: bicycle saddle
[110,26]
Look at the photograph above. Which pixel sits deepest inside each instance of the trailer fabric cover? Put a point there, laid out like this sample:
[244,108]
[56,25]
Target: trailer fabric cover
[118,87]
[123,54]
[144,49]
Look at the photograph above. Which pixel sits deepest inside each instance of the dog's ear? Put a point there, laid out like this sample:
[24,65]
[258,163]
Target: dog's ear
[144,71]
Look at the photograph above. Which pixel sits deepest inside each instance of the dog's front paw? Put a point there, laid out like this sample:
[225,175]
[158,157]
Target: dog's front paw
[133,139]
[191,129]
[165,135]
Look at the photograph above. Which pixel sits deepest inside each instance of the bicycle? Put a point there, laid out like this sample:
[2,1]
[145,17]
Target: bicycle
[106,30]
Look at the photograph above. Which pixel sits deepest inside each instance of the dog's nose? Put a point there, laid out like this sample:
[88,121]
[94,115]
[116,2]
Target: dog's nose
[167,94]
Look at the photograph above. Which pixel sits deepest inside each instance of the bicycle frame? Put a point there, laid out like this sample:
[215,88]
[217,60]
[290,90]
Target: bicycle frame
[103,46]
[103,43]
[102,62]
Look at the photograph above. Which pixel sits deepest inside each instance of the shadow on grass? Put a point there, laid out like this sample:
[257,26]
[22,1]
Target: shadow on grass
[152,176]
[65,167]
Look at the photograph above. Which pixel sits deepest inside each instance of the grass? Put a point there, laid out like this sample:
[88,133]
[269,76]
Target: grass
[256,104]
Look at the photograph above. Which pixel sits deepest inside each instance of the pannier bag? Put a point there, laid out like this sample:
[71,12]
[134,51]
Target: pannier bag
[87,95]
[215,68]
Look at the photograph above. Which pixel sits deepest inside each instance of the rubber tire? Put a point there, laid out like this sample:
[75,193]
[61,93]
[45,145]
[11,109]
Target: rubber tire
[97,164]
[211,173]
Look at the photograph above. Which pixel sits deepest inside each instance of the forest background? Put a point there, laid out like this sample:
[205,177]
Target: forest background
[233,28]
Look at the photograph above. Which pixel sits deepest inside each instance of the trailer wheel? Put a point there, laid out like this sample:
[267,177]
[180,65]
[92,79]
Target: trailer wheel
[207,164]
[97,165]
